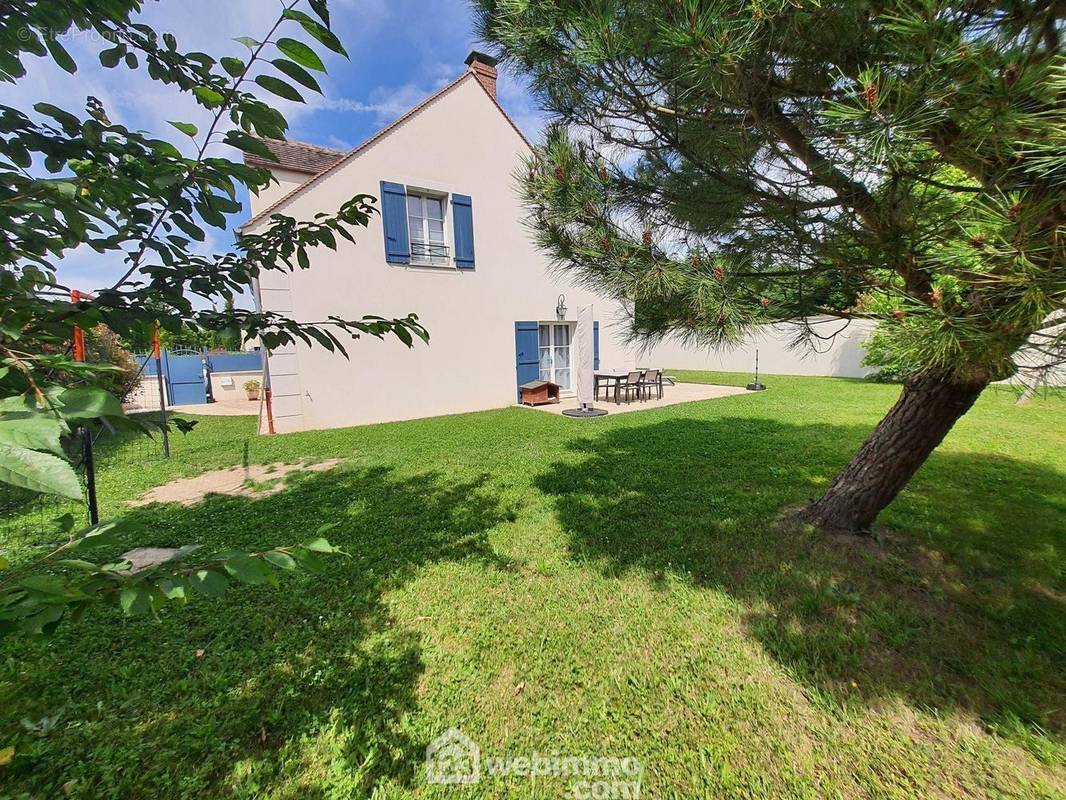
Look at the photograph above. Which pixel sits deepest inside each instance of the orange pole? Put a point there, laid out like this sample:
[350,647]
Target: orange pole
[270,412]
[79,334]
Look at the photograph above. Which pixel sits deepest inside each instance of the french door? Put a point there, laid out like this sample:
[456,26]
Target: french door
[556,348]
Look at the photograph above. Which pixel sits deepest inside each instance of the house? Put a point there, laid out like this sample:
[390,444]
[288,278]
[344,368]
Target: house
[450,245]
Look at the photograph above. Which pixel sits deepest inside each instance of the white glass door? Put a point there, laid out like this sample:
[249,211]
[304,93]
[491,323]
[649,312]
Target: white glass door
[556,343]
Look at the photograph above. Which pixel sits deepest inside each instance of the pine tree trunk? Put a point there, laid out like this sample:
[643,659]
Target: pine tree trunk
[926,410]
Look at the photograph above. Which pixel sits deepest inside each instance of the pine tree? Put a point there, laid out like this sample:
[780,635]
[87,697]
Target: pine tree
[724,164]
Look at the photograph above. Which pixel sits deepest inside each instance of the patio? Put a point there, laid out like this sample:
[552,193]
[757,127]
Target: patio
[228,408]
[672,395]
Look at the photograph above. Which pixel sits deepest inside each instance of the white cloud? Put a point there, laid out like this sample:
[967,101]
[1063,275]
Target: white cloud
[386,103]
[337,143]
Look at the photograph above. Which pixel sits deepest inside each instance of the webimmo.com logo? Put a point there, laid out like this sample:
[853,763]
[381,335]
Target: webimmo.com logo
[454,758]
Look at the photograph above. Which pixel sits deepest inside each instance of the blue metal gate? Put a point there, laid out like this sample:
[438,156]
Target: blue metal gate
[186,373]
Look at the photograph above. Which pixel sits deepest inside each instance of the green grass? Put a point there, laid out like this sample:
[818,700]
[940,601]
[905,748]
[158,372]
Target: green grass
[607,587]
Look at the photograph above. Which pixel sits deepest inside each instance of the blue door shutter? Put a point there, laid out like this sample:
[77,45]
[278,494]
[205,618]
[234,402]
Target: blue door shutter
[596,344]
[527,353]
[463,225]
[394,217]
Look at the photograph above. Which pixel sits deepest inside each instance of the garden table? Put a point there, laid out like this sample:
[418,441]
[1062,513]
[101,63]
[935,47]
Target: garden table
[617,376]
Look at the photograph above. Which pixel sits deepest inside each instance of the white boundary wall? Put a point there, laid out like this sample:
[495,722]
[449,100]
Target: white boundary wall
[839,357]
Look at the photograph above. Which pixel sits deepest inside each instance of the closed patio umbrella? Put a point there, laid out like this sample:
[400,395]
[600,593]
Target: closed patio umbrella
[585,373]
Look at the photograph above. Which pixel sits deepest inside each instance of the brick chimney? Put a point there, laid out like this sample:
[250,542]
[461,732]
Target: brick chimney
[484,69]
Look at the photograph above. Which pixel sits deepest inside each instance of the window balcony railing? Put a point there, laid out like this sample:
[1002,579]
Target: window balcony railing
[429,253]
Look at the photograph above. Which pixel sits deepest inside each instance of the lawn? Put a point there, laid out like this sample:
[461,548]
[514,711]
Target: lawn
[613,587]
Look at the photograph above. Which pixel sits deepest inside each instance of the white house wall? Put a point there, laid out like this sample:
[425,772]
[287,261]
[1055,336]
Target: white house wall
[286,181]
[460,144]
[840,357]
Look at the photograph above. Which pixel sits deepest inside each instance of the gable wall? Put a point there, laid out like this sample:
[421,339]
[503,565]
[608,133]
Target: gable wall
[460,144]
[287,180]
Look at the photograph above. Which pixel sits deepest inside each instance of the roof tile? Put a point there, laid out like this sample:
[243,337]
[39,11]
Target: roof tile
[297,156]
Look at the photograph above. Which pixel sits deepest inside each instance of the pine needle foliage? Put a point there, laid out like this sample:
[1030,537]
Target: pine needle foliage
[727,163]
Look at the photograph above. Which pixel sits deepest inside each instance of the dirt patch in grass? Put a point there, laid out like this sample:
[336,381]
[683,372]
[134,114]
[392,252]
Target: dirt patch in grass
[256,481]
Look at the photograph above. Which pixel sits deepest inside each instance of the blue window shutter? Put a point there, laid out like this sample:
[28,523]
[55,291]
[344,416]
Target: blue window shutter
[596,344]
[527,353]
[463,226]
[394,216]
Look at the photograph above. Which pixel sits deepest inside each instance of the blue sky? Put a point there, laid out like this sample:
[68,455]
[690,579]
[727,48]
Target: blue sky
[400,51]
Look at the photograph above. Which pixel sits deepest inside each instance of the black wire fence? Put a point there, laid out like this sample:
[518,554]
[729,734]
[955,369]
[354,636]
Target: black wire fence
[32,519]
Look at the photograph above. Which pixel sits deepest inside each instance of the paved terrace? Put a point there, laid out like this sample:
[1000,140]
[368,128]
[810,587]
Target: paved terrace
[672,395]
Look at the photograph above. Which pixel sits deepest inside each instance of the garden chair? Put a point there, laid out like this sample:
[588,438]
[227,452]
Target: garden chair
[632,383]
[653,381]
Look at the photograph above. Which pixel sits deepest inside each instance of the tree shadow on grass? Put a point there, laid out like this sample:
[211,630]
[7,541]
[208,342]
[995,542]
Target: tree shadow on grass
[962,607]
[297,690]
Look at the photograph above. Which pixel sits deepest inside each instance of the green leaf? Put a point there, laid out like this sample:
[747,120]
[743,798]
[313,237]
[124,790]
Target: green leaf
[298,74]
[21,402]
[188,227]
[97,536]
[279,87]
[308,560]
[301,54]
[84,403]
[185,425]
[174,588]
[185,127]
[44,622]
[78,563]
[321,8]
[209,582]
[319,545]
[36,432]
[247,569]
[317,30]
[64,118]
[247,41]
[208,96]
[280,560]
[4,564]
[134,600]
[7,755]
[60,55]
[250,144]
[234,66]
[38,472]
[50,587]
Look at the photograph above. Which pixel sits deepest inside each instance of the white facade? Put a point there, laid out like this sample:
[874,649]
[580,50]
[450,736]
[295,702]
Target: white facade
[838,355]
[458,143]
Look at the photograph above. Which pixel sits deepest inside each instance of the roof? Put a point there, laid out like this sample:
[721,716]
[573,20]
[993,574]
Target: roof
[297,156]
[538,385]
[355,152]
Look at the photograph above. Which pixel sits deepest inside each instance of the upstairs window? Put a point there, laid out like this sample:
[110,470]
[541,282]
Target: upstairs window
[425,226]
[416,231]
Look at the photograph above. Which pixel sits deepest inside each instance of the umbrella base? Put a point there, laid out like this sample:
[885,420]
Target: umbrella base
[585,411]
[755,387]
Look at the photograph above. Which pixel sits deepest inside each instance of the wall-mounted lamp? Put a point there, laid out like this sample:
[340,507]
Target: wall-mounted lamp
[560,307]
